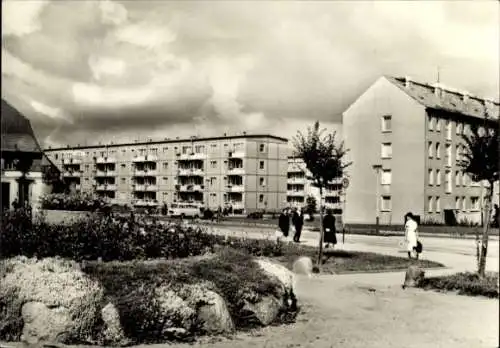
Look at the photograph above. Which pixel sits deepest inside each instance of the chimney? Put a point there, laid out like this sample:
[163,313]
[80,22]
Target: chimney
[407,81]
[437,89]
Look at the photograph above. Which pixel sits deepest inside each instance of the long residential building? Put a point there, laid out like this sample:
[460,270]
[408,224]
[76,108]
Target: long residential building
[405,141]
[299,188]
[245,172]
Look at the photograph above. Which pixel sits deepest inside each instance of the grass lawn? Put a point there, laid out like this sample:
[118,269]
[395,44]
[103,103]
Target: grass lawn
[465,284]
[341,262]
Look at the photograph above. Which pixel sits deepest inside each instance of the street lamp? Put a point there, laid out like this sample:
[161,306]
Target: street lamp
[377,168]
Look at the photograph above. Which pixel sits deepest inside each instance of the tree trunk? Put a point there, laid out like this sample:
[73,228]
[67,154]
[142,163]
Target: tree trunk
[321,231]
[484,241]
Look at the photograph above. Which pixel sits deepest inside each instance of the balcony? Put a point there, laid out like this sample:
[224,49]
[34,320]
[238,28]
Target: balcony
[295,193]
[105,159]
[104,173]
[331,193]
[236,154]
[144,202]
[191,156]
[190,172]
[236,171]
[72,174]
[106,187]
[145,172]
[145,158]
[190,188]
[296,180]
[235,188]
[72,161]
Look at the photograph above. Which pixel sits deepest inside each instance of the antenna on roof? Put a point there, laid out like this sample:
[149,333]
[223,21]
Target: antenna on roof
[438,74]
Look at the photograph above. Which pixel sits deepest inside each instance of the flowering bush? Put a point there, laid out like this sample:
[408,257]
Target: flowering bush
[72,202]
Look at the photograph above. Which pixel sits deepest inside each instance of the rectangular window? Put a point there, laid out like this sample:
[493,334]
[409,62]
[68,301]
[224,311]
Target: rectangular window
[262,147]
[123,180]
[386,177]
[165,165]
[438,125]
[386,150]
[165,149]
[438,177]
[430,121]
[213,164]
[431,177]
[474,203]
[457,203]
[199,149]
[123,166]
[457,153]
[165,180]
[448,181]
[438,205]
[386,123]
[448,155]
[261,165]
[464,179]
[262,182]
[459,128]
[464,204]
[438,150]
[386,203]
[458,179]
[448,129]
[261,198]
[430,204]
[430,150]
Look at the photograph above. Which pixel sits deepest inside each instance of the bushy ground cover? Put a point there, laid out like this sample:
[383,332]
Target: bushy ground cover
[72,202]
[465,284]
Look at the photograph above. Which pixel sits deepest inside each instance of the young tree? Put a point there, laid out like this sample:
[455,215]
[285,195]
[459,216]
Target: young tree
[325,160]
[480,162]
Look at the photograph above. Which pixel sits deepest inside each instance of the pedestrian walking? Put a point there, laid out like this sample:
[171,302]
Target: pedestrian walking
[298,223]
[284,222]
[411,236]
[329,228]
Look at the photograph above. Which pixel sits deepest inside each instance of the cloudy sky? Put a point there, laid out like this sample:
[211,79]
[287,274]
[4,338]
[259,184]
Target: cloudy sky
[89,71]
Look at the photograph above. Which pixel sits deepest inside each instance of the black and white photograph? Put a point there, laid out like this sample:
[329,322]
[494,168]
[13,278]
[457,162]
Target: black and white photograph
[250,174]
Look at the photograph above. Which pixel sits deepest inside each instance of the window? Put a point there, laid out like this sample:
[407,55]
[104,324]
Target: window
[465,178]
[457,203]
[474,203]
[448,155]
[261,198]
[458,153]
[438,205]
[199,149]
[438,125]
[262,147]
[386,203]
[213,164]
[165,180]
[430,121]
[448,129]
[459,128]
[464,204]
[262,182]
[386,123]
[57,156]
[124,150]
[261,165]
[438,177]
[430,150]
[154,150]
[448,182]
[165,165]
[386,177]
[165,149]
[438,150]
[386,150]
[430,204]
[123,180]
[213,180]
[431,177]
[458,178]
[123,166]
[86,167]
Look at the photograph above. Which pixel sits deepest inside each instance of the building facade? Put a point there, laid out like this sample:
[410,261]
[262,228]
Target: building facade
[21,160]
[244,172]
[405,141]
[299,188]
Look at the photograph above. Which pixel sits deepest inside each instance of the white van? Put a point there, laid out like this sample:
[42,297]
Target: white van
[184,210]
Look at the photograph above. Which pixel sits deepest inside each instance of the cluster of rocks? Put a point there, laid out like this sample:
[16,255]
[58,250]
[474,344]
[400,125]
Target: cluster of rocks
[59,303]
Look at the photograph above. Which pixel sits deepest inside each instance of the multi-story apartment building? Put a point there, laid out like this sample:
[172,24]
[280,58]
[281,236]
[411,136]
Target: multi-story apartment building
[245,172]
[405,140]
[299,187]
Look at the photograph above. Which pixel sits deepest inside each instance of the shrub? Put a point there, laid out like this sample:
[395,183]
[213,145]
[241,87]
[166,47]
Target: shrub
[72,202]
[465,284]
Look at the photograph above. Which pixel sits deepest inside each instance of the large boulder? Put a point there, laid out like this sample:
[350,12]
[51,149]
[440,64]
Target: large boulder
[283,274]
[56,300]
[414,275]
[175,314]
[112,332]
[265,310]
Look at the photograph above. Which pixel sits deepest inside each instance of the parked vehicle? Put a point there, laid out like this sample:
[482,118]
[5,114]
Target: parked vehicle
[185,210]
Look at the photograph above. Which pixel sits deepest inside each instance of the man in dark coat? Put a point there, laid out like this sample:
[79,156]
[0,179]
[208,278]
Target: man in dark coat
[284,222]
[329,228]
[298,222]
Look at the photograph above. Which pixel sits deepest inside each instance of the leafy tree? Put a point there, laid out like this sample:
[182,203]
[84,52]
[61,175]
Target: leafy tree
[311,205]
[480,162]
[325,160]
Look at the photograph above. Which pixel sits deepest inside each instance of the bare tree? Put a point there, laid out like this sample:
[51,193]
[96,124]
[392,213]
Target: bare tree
[480,162]
[325,160]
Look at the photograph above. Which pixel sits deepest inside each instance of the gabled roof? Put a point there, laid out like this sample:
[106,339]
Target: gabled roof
[447,99]
[16,131]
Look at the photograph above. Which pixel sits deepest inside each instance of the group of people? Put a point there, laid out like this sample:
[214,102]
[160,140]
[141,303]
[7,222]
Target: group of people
[292,220]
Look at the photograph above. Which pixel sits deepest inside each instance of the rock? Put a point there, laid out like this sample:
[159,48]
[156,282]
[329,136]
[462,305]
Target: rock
[52,286]
[283,274]
[303,265]
[113,331]
[414,275]
[265,310]
[42,324]
[174,311]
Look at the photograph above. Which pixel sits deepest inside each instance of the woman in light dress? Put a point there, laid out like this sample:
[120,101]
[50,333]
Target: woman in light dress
[411,235]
